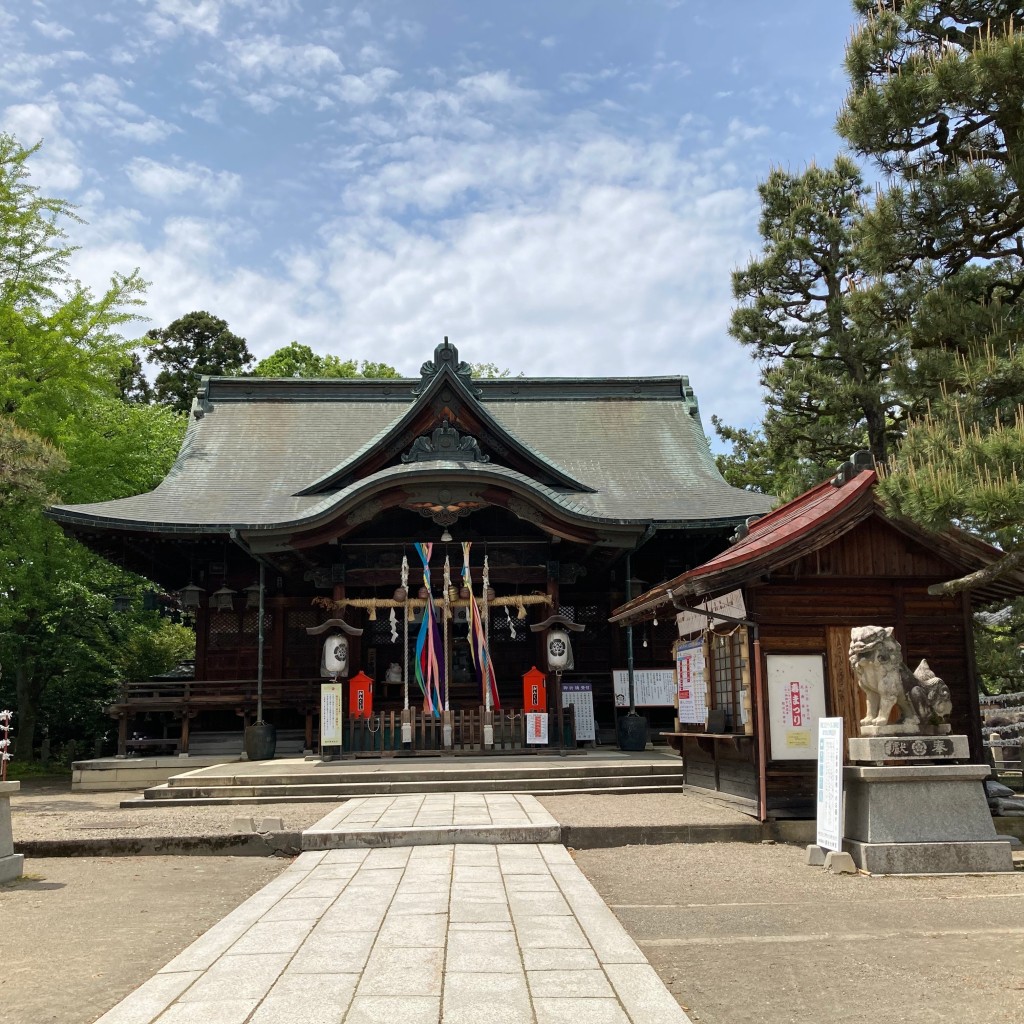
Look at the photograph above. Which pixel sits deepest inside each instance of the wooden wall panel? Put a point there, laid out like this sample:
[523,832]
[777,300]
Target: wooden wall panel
[844,695]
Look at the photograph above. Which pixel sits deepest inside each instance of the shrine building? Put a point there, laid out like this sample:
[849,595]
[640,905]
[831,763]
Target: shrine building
[557,485]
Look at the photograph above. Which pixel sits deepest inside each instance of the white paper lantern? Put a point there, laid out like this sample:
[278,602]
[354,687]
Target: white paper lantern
[558,648]
[335,660]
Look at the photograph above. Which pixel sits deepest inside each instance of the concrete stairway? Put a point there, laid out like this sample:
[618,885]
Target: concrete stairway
[293,781]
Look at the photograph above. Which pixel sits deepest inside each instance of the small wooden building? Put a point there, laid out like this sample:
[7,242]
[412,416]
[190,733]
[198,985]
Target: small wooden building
[775,612]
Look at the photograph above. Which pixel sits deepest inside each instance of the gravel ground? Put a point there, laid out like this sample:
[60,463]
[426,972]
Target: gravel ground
[640,809]
[47,809]
[79,933]
[749,934]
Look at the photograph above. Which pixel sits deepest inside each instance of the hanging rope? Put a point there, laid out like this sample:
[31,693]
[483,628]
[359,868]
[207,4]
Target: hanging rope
[478,639]
[428,644]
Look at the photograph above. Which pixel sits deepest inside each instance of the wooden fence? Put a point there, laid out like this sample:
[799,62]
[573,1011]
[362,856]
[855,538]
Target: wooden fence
[380,734]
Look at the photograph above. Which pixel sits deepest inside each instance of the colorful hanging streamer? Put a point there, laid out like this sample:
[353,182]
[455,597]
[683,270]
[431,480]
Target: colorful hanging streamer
[477,635]
[429,648]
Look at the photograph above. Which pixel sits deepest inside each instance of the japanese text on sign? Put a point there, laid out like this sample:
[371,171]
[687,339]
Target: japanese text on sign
[581,697]
[691,683]
[652,687]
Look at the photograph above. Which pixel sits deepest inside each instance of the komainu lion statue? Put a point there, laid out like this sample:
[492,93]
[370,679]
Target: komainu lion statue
[922,697]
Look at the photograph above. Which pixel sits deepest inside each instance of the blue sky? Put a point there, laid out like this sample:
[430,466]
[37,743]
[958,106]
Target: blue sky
[561,186]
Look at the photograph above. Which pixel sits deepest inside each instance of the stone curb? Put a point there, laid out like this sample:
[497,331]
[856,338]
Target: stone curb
[246,844]
[289,844]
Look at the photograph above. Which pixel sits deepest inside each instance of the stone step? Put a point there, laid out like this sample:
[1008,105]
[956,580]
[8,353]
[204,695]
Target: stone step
[328,789]
[361,772]
[235,801]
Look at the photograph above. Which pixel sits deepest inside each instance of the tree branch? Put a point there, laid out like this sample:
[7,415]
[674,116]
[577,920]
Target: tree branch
[988,574]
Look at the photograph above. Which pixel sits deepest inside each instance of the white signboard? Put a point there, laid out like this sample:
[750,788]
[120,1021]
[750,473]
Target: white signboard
[330,715]
[796,701]
[537,728]
[691,683]
[581,697]
[730,604]
[830,783]
[652,687]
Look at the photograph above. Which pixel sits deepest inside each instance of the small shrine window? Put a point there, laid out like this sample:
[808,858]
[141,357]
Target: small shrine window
[728,665]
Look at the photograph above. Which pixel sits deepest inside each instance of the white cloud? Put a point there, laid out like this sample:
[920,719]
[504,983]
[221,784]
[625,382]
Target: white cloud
[269,56]
[495,87]
[167,182]
[52,29]
[97,102]
[56,168]
[169,17]
[577,256]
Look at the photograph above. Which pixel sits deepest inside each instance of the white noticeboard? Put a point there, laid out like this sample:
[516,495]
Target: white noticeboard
[691,683]
[581,697]
[652,687]
[796,701]
[330,715]
[830,783]
[537,728]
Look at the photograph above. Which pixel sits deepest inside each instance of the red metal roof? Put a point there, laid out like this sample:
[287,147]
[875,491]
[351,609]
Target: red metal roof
[789,522]
[811,520]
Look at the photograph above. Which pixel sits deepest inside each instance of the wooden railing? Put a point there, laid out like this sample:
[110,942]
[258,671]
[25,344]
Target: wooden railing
[379,734]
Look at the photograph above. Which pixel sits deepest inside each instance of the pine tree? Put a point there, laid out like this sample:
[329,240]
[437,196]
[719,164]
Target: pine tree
[820,330]
[936,98]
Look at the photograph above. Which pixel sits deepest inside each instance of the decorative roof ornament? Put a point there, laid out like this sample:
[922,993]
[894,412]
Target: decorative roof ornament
[446,356]
[445,442]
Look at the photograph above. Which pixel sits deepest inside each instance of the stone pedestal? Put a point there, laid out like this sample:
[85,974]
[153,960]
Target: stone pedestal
[11,864]
[918,819]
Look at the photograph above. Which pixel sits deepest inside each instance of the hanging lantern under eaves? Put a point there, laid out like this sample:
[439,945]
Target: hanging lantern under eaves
[335,657]
[252,595]
[558,649]
[223,600]
[190,595]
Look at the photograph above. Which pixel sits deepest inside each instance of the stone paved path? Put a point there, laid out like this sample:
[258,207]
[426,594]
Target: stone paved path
[457,933]
[423,819]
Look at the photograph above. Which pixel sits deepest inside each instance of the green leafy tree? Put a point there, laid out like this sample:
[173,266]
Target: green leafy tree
[64,430]
[195,345]
[818,327]
[937,90]
[295,360]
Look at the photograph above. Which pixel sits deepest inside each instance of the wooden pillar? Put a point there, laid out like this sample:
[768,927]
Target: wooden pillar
[280,613]
[975,739]
[202,630]
[122,734]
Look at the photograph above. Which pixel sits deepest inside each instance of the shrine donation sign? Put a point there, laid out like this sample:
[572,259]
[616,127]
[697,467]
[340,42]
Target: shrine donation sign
[581,697]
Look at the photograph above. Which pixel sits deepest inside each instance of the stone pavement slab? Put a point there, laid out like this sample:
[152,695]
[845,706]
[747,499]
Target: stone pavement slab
[432,934]
[421,819]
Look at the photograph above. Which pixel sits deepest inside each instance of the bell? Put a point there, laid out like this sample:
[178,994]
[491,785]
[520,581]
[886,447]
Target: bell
[464,593]
[401,594]
[490,594]
[423,593]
